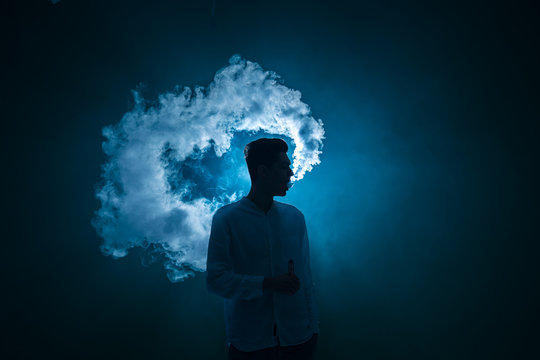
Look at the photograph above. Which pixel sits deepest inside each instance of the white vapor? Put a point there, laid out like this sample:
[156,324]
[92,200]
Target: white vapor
[173,163]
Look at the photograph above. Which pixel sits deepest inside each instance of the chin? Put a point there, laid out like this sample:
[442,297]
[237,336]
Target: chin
[282,191]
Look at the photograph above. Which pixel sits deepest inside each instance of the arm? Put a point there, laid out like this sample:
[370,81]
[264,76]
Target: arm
[310,293]
[221,279]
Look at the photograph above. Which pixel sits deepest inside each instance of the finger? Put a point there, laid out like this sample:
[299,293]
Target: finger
[291,267]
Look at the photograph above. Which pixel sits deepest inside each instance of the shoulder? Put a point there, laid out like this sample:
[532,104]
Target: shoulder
[289,209]
[226,211]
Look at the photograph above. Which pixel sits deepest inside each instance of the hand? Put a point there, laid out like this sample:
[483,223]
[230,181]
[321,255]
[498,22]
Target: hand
[287,283]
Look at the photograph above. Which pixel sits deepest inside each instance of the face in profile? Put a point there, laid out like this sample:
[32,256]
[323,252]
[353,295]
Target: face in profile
[279,175]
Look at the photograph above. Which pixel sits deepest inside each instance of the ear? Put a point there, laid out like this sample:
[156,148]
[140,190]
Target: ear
[262,171]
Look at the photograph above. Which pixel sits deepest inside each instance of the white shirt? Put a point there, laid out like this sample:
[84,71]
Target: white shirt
[247,245]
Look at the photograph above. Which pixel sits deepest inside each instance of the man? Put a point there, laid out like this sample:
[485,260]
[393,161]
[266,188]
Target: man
[258,260]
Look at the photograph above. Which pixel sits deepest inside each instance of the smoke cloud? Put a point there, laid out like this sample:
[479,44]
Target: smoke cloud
[173,162]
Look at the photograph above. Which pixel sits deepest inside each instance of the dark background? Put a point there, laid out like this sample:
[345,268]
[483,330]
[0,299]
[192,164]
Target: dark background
[423,216]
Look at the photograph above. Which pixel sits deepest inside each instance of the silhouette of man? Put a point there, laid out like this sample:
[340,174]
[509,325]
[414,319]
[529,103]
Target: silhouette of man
[258,260]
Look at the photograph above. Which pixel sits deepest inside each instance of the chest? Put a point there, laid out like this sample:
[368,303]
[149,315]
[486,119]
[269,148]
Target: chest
[261,236]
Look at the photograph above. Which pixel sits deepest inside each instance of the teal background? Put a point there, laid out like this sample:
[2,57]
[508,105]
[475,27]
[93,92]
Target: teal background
[422,216]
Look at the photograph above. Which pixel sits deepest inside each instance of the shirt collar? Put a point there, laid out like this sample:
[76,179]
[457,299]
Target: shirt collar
[247,202]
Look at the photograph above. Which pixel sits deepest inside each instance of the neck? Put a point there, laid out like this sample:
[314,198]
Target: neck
[260,198]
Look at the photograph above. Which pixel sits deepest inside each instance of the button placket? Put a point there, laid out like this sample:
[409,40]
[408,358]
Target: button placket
[271,255]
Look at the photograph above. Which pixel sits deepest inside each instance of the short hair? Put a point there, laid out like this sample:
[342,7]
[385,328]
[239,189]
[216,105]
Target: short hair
[264,151]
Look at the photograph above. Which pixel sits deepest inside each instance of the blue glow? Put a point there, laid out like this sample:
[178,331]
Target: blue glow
[171,165]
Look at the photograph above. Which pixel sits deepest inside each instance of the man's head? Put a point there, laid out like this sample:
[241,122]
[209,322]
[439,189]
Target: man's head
[269,165]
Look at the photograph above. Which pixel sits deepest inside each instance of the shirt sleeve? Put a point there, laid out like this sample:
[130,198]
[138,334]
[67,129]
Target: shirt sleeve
[310,293]
[221,279]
